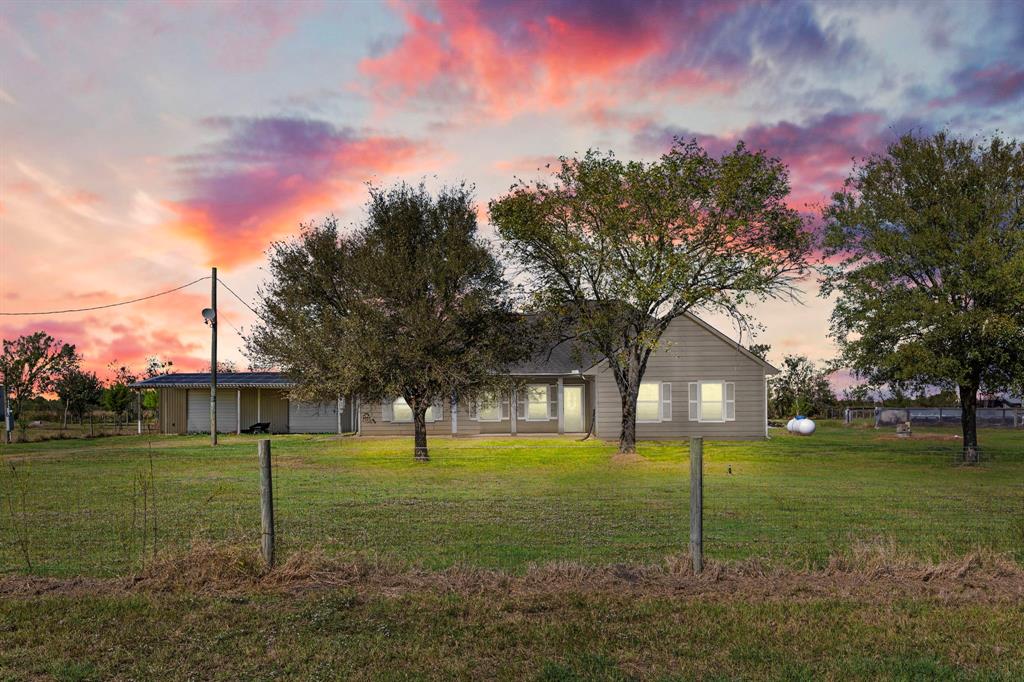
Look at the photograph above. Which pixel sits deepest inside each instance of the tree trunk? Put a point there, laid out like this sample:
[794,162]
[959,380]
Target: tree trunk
[419,418]
[627,435]
[628,394]
[969,422]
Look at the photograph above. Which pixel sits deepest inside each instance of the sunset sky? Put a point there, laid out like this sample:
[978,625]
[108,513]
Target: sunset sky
[142,142]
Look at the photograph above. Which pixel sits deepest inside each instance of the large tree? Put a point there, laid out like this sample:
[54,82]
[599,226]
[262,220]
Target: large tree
[800,388]
[928,247]
[30,365]
[79,390]
[620,249]
[411,304]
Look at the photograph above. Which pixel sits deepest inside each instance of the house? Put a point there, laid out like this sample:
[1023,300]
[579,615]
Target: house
[698,383]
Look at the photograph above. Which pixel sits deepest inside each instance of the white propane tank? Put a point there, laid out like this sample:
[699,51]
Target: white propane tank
[791,426]
[805,426]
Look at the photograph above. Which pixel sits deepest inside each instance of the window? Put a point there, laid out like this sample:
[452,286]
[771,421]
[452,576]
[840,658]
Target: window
[648,402]
[654,402]
[712,401]
[537,402]
[488,408]
[401,412]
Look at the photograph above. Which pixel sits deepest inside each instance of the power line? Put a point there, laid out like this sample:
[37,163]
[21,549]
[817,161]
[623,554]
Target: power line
[237,331]
[240,299]
[113,305]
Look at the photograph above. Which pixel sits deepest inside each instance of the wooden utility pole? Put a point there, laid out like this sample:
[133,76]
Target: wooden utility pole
[5,413]
[266,503]
[213,359]
[697,503]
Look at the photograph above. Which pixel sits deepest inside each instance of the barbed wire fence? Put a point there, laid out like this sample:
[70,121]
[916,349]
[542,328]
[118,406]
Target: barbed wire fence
[112,509]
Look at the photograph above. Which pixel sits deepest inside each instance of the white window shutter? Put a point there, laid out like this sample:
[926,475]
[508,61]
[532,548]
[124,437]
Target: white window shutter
[666,401]
[552,402]
[387,410]
[730,401]
[694,401]
[521,404]
[504,405]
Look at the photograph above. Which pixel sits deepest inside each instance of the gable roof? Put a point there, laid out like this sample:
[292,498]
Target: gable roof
[738,347]
[769,367]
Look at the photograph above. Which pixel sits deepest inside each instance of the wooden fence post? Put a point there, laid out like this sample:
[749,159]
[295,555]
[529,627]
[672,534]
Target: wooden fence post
[266,503]
[697,503]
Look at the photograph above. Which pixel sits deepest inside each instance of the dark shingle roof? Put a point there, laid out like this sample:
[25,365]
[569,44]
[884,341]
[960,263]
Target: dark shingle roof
[225,379]
[561,359]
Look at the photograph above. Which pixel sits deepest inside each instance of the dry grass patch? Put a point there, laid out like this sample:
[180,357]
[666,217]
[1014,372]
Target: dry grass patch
[876,571]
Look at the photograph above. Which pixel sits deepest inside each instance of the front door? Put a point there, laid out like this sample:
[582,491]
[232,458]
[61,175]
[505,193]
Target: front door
[573,396]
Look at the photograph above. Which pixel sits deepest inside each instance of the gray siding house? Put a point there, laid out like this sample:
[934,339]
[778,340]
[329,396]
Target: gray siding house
[698,383]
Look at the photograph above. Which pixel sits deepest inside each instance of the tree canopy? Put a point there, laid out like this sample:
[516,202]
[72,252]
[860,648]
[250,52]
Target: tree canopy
[79,391]
[30,366]
[800,388]
[412,304]
[927,249]
[620,249]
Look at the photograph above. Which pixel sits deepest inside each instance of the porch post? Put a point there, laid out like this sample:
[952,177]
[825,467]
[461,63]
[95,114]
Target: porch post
[561,406]
[455,415]
[238,411]
[513,411]
[341,408]
[258,390]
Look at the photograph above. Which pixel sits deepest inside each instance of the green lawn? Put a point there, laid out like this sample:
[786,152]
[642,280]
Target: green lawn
[348,634]
[83,507]
[79,509]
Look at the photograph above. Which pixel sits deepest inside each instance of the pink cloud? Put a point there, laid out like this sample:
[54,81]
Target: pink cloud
[997,84]
[820,152]
[268,174]
[168,327]
[504,59]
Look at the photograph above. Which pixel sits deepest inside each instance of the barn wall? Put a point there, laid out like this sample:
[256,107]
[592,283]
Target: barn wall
[274,409]
[249,407]
[172,410]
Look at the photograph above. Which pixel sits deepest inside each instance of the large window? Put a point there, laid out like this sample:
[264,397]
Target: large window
[537,402]
[712,401]
[648,402]
[401,412]
[489,408]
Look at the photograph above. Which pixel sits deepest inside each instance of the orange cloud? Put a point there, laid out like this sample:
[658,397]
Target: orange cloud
[269,174]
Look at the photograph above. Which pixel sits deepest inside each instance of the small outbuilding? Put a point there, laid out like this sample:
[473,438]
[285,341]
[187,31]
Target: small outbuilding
[243,400]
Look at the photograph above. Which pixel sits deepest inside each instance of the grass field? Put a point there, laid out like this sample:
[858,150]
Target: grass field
[349,634]
[79,507]
[579,538]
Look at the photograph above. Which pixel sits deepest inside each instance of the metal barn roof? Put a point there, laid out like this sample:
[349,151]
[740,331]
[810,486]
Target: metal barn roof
[224,380]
